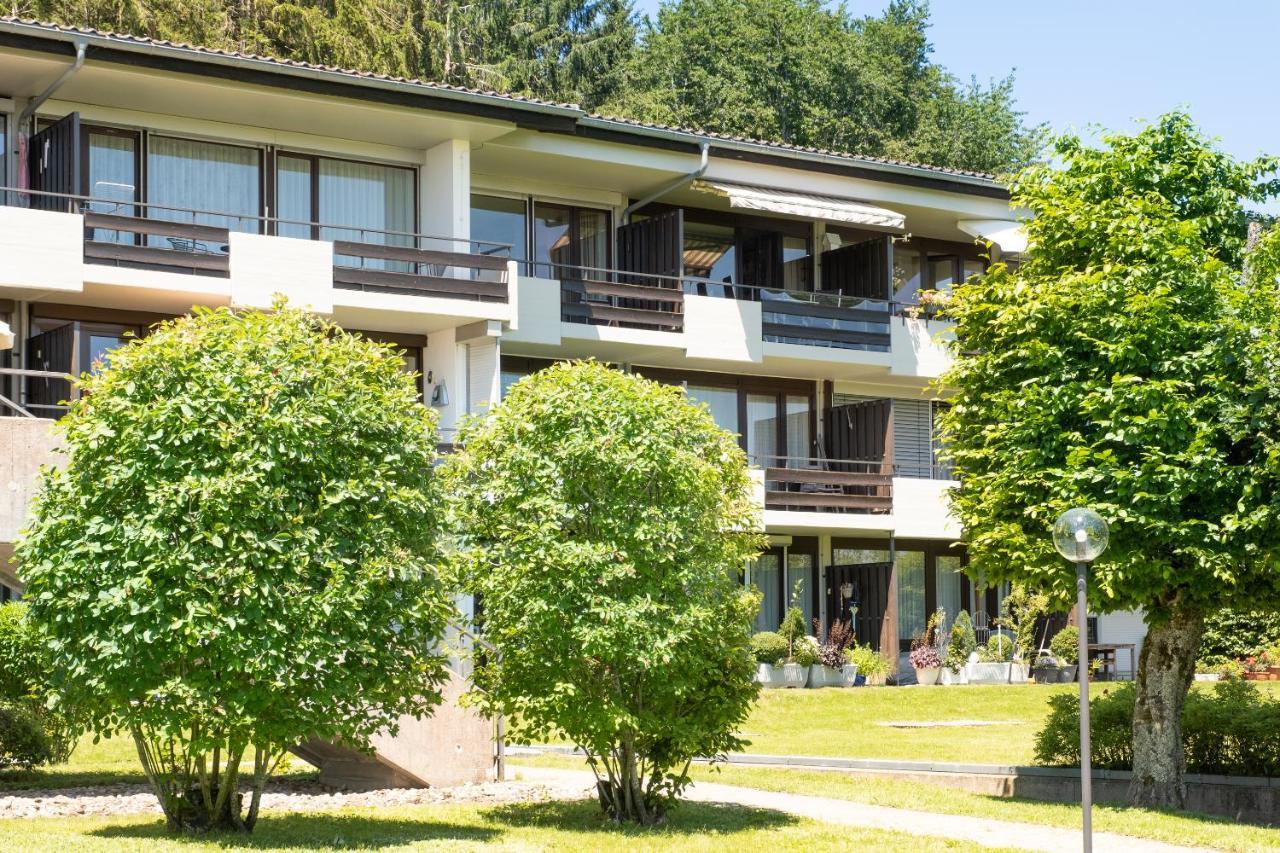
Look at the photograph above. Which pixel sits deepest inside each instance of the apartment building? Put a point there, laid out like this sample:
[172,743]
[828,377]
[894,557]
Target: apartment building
[489,235]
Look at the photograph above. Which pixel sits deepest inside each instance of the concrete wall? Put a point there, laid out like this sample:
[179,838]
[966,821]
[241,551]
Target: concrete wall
[722,329]
[920,509]
[538,311]
[25,445]
[41,249]
[917,347]
[300,270]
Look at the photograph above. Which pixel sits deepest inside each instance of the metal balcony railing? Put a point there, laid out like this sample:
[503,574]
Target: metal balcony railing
[156,236]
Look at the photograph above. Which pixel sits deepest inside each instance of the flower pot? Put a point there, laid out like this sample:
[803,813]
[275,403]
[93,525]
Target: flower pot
[1047,674]
[1257,676]
[1274,672]
[875,680]
[928,676]
[1019,672]
[954,676]
[986,672]
[824,676]
[860,681]
[849,675]
[1208,676]
[794,675]
[770,677]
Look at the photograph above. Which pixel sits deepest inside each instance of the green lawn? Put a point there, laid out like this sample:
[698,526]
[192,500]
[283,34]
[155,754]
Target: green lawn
[1175,828]
[848,723]
[541,826]
[109,762]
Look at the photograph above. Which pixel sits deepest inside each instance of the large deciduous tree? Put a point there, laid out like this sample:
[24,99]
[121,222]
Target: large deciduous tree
[240,551]
[1109,369]
[606,520]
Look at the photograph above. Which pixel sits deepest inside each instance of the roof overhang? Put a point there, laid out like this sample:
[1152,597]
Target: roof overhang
[807,205]
[1009,236]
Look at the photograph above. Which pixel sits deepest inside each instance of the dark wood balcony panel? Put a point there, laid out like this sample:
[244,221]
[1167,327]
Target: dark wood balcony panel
[826,337]
[668,295]
[126,254]
[855,311]
[384,252]
[636,318]
[825,478]
[159,227]
[386,281]
[827,501]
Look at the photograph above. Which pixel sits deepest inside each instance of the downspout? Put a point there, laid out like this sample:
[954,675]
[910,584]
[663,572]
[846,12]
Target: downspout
[705,155]
[29,112]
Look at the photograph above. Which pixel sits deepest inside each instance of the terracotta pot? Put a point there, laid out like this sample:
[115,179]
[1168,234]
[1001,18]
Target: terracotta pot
[1274,671]
[1257,676]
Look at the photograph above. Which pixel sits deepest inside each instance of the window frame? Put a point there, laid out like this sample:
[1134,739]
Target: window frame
[314,159]
[574,266]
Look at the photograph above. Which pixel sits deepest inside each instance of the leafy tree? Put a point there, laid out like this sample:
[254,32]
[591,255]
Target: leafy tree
[240,551]
[1107,370]
[606,519]
[806,72]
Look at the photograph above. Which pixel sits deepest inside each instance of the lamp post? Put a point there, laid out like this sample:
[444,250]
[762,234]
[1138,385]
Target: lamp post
[1080,535]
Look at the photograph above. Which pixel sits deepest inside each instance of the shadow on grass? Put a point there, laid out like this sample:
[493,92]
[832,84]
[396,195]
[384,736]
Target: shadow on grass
[548,822]
[685,819]
[316,832]
[14,782]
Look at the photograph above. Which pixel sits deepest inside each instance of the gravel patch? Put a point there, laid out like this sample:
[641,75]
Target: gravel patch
[285,796]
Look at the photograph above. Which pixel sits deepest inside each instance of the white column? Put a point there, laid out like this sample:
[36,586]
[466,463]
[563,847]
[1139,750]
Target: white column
[444,194]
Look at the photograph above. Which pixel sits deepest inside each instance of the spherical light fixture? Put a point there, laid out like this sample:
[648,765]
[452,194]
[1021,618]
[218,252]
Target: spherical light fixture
[1080,535]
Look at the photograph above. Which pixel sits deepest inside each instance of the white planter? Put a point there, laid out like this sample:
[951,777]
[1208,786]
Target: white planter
[1208,676]
[794,675]
[954,676]
[824,676]
[984,672]
[876,680]
[927,676]
[1021,672]
[849,675]
[770,677]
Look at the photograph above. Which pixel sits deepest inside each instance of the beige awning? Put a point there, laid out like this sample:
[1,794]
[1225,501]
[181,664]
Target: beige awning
[808,205]
[1008,235]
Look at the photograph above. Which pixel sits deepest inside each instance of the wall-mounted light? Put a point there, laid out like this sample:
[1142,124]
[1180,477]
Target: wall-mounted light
[846,590]
[439,394]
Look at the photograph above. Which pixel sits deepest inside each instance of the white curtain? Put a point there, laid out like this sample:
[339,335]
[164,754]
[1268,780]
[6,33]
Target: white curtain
[203,176]
[762,428]
[764,577]
[723,403]
[113,179]
[293,197]
[911,616]
[948,587]
[361,202]
[798,447]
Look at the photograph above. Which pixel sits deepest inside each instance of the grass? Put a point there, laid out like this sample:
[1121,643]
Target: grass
[111,761]
[1173,827]
[526,826]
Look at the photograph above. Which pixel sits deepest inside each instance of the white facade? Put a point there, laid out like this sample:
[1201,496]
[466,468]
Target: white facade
[774,319]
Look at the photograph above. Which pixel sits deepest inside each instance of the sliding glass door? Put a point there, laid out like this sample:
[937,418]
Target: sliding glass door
[222,183]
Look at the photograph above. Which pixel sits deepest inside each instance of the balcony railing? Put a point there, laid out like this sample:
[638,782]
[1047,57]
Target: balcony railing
[827,485]
[163,237]
[630,300]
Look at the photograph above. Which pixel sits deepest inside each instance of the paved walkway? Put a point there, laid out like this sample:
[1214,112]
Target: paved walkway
[984,831]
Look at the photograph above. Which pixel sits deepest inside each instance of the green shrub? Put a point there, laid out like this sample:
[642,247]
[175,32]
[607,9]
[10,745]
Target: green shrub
[792,627]
[769,647]
[1065,645]
[961,642]
[1233,730]
[21,667]
[999,649]
[805,651]
[24,742]
[869,662]
[1234,635]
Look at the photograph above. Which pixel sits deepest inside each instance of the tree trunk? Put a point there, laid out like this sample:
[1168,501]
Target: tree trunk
[1166,668]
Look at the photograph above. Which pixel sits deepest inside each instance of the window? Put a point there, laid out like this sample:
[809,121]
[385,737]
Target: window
[924,267]
[762,429]
[112,178]
[909,566]
[800,583]
[797,265]
[723,403]
[710,253]
[907,278]
[203,176]
[500,220]
[357,202]
[948,586]
[565,238]
[766,576]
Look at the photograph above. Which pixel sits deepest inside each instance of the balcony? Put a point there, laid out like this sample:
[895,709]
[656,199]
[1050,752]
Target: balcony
[862,486]
[310,257]
[602,297]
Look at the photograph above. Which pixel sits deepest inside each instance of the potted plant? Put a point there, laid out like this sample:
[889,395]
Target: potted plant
[1256,667]
[770,651]
[1273,661]
[805,661]
[1061,667]
[1019,612]
[962,643]
[995,662]
[871,667]
[829,670]
[794,674]
[925,659]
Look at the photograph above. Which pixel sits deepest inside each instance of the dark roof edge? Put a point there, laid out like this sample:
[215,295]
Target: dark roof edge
[522,112]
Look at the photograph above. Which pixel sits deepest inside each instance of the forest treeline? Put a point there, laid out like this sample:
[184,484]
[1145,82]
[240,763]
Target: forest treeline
[797,71]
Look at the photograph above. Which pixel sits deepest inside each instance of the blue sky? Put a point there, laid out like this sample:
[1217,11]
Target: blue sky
[1083,62]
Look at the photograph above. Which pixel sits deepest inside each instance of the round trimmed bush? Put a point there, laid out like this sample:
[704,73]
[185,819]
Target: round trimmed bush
[769,647]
